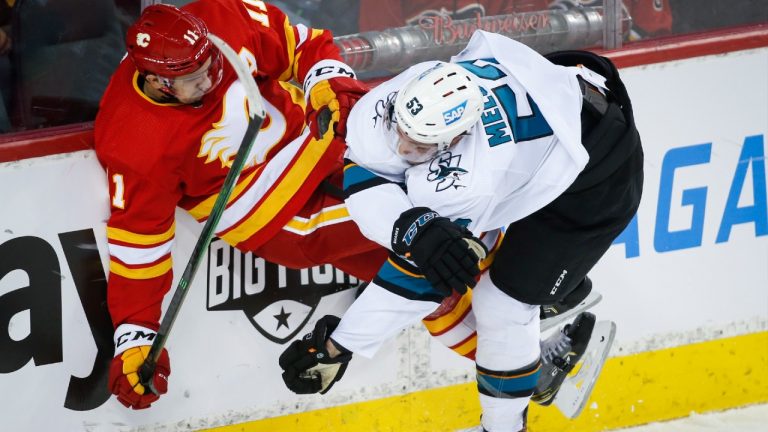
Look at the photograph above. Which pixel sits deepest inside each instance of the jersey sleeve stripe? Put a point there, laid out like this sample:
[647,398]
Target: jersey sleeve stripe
[128,237]
[150,272]
[357,178]
[399,281]
[139,256]
[316,33]
[290,47]
[278,196]
[303,31]
[325,217]
[202,210]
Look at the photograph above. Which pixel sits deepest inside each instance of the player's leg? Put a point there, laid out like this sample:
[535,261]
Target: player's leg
[453,324]
[322,232]
[544,258]
[508,357]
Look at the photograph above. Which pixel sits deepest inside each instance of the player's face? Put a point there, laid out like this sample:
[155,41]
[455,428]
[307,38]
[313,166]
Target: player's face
[192,87]
[412,151]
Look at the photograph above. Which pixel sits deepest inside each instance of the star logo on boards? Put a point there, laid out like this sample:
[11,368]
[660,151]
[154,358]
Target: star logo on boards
[277,301]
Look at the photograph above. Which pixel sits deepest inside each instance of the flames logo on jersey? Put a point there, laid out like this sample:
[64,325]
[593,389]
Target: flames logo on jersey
[223,140]
[444,169]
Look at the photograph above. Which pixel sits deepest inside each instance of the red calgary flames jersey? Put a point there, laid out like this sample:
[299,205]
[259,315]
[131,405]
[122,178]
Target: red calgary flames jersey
[379,15]
[162,155]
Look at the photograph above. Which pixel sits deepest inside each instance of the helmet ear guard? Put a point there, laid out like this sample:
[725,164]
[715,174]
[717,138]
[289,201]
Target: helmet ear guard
[438,105]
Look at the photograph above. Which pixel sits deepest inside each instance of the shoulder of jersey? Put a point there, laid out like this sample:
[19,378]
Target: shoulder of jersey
[131,130]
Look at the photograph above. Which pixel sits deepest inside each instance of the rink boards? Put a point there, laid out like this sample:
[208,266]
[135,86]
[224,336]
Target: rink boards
[687,284]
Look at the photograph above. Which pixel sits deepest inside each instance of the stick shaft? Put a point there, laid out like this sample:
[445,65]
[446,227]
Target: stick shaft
[256,118]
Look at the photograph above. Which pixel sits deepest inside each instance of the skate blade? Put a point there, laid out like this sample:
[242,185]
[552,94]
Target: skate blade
[575,390]
[592,299]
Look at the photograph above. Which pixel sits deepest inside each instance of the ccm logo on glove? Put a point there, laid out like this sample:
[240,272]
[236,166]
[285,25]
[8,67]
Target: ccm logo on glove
[446,253]
[132,345]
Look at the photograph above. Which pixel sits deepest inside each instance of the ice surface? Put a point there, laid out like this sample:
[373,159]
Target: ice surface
[749,419]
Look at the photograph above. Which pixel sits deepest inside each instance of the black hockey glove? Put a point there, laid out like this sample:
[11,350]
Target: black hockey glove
[446,253]
[307,366]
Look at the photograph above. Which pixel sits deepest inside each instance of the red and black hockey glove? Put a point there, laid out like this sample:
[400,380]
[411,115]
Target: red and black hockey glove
[132,344]
[447,253]
[332,85]
[307,365]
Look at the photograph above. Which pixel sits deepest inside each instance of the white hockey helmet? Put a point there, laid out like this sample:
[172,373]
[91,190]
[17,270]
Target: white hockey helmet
[438,105]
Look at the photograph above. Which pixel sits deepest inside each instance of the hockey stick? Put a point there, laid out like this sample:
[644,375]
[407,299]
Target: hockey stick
[256,114]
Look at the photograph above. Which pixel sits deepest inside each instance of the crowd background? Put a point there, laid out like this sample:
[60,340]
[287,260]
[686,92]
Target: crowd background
[55,60]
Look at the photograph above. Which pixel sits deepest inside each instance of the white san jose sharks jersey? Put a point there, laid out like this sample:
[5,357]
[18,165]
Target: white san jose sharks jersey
[524,152]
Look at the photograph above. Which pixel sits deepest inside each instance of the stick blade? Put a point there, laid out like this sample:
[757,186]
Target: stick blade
[575,390]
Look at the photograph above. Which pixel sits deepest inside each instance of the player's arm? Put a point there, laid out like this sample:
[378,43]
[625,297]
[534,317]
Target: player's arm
[307,56]
[140,234]
[399,296]
[444,252]
[318,360]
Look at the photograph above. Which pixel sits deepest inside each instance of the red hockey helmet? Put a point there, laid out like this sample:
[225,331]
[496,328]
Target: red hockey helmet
[171,42]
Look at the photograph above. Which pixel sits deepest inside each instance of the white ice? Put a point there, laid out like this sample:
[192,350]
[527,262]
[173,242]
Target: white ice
[749,419]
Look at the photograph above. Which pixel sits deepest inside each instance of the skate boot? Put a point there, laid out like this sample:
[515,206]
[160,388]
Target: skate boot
[580,299]
[559,354]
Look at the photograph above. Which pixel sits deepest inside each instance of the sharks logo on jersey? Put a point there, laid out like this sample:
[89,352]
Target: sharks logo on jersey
[445,170]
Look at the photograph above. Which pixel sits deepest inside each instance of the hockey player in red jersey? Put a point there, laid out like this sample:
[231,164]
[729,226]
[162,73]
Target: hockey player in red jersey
[168,127]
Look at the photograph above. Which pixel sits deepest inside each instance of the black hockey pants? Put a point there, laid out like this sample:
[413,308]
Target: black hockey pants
[546,255]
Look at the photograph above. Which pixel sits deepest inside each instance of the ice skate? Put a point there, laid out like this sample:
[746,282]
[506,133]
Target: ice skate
[585,341]
[581,299]
[559,355]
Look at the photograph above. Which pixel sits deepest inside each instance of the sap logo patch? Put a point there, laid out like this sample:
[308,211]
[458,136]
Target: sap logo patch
[454,114]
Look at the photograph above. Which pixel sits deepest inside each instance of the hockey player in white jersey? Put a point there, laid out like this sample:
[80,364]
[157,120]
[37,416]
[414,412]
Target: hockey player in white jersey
[536,160]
